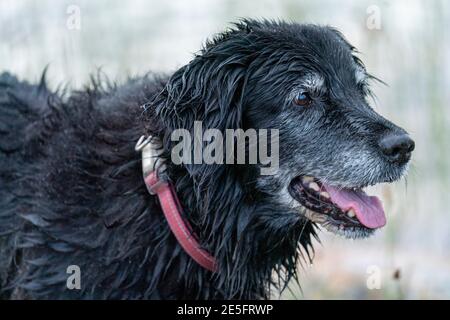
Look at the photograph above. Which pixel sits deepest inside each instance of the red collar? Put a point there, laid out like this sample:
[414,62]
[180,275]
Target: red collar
[151,165]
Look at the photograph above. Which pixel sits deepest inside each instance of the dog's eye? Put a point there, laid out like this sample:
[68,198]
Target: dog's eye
[303,99]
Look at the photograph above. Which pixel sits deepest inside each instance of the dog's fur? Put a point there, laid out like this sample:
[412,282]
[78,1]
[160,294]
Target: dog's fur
[72,191]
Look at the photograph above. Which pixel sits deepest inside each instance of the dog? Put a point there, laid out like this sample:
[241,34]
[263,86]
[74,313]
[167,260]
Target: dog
[73,197]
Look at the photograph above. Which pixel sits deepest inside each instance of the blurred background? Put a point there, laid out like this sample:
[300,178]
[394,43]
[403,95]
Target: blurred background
[406,43]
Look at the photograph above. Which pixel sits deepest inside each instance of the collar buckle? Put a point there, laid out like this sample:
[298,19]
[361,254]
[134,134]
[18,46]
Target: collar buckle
[151,148]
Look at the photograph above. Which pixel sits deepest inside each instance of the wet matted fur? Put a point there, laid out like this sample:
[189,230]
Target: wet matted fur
[72,191]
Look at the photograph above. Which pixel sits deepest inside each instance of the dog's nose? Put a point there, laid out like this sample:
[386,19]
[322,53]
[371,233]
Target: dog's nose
[397,147]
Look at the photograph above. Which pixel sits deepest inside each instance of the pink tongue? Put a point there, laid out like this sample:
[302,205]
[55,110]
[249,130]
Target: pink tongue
[368,209]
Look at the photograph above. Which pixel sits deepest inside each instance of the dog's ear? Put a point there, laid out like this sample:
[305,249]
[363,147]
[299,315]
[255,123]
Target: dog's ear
[209,89]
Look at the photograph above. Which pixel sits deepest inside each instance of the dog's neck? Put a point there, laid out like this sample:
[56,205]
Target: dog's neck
[233,221]
[237,231]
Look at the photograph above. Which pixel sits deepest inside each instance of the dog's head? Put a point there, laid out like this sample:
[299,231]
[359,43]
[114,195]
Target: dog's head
[312,87]
[305,81]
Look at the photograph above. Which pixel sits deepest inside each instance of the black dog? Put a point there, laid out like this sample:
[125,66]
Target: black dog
[72,191]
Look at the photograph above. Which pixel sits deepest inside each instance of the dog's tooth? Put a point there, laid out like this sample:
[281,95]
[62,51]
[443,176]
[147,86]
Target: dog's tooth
[325,195]
[314,186]
[351,213]
[307,179]
[315,217]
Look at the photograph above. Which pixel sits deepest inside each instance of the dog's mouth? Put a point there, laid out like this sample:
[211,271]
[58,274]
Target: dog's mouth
[348,212]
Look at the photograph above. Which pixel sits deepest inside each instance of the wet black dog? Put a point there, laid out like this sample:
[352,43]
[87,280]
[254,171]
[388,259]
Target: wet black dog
[71,184]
